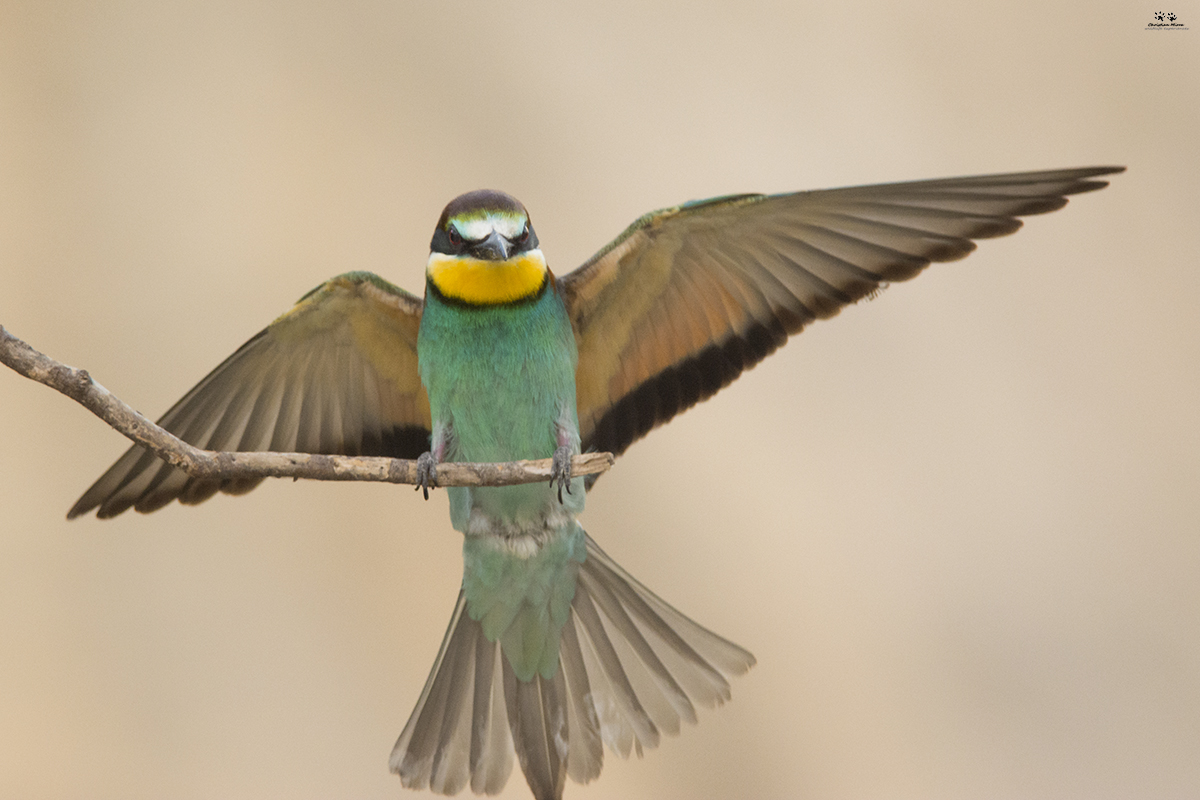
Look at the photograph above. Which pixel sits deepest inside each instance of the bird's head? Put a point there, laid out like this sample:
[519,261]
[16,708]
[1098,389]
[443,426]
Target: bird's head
[484,251]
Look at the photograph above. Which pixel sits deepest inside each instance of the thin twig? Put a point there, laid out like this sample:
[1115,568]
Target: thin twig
[211,465]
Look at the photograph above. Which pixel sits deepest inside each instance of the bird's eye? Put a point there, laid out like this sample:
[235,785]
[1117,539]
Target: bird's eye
[453,235]
[523,236]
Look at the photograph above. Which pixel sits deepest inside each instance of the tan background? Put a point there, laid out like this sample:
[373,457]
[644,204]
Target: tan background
[959,525]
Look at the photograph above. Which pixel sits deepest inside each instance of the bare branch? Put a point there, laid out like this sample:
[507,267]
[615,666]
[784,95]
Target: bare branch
[210,465]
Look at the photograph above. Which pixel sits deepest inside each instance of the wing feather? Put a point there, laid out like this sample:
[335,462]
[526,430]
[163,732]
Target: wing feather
[336,374]
[689,297]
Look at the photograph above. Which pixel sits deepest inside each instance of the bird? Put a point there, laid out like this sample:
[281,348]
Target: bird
[553,651]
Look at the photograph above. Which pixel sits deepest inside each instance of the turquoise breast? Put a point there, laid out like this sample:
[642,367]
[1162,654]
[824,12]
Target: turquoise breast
[503,379]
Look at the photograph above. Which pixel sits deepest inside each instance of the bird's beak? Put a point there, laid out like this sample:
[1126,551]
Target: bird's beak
[493,248]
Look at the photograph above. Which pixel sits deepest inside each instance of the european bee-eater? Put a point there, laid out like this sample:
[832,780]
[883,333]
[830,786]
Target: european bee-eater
[552,648]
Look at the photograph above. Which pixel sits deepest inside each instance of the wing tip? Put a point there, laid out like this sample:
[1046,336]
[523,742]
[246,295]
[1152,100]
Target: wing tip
[91,501]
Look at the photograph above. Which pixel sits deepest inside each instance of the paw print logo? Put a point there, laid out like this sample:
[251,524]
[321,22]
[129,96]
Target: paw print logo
[1160,16]
[1171,17]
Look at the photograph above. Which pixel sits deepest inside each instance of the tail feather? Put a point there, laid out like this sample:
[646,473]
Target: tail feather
[641,654]
[451,754]
[491,751]
[585,757]
[624,723]
[630,668]
[649,663]
[449,740]
[695,656]
[539,728]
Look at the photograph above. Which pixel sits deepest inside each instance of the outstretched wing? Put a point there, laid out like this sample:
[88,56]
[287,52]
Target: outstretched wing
[337,375]
[689,297]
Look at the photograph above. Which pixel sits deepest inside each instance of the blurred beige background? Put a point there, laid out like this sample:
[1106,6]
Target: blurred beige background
[959,525]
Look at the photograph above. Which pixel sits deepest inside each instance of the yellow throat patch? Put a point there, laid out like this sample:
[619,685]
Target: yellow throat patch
[486,283]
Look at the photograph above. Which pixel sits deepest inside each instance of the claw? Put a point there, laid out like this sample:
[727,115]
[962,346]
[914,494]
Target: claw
[426,473]
[560,470]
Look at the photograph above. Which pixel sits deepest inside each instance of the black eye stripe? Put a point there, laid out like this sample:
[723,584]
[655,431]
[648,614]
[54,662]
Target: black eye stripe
[450,240]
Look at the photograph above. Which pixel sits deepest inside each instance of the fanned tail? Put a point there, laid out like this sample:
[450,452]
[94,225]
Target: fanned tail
[630,668]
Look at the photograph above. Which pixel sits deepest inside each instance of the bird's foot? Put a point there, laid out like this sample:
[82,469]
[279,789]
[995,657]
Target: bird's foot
[426,473]
[560,470]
